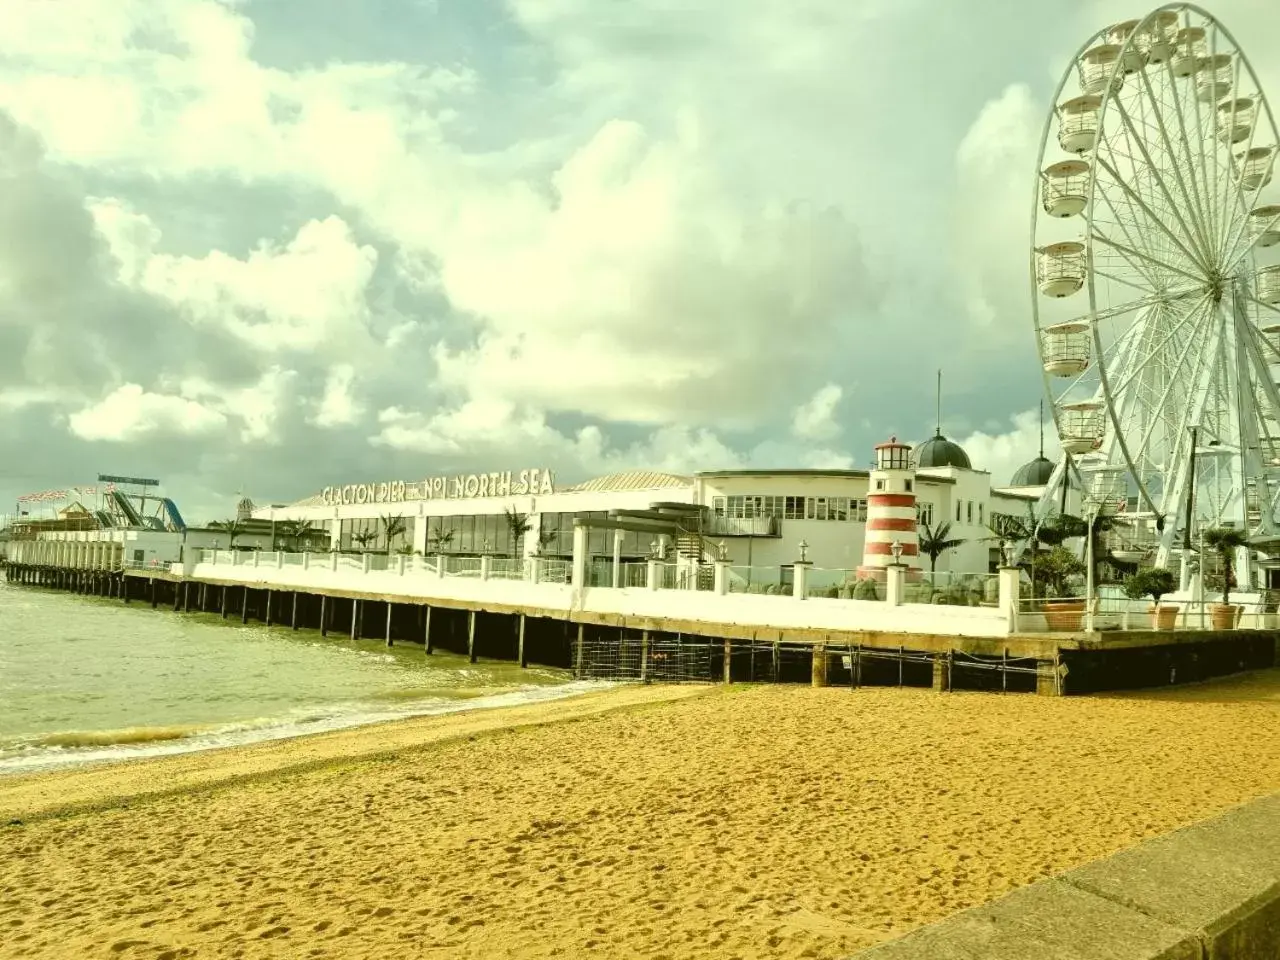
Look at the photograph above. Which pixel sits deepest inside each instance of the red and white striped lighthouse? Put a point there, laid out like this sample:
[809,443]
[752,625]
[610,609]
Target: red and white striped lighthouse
[891,513]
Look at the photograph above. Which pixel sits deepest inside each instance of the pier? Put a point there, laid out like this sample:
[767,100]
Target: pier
[536,611]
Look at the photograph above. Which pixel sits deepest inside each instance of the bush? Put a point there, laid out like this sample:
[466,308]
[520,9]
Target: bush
[866,590]
[1152,582]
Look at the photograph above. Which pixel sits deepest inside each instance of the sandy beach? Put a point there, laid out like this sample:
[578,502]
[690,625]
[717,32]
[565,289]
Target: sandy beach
[637,822]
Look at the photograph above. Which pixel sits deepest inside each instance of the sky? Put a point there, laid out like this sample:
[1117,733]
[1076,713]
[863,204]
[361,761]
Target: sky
[265,246]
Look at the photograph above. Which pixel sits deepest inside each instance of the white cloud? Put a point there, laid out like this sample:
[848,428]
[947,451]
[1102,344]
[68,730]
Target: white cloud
[130,413]
[815,419]
[1002,453]
[257,407]
[308,295]
[338,407]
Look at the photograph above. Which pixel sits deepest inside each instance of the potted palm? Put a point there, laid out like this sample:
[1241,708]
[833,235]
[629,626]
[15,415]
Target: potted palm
[1154,582]
[1224,541]
[1056,570]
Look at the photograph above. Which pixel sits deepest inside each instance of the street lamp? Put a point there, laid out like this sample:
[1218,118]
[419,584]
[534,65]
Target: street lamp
[896,549]
[804,551]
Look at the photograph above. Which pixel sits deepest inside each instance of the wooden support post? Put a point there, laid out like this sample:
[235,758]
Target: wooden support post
[355,610]
[856,664]
[153,593]
[1004,670]
[324,623]
[941,674]
[293,617]
[644,656]
[177,598]
[578,651]
[244,604]
[270,593]
[224,601]
[390,605]
[901,654]
[728,660]
[186,597]
[777,661]
[426,630]
[471,635]
[819,666]
[520,657]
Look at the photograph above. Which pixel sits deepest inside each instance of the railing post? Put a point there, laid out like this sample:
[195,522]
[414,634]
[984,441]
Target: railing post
[306,561]
[578,579]
[441,565]
[651,575]
[486,567]
[213,557]
[401,561]
[333,561]
[1010,580]
[279,560]
[535,569]
[722,577]
[800,579]
[366,560]
[256,554]
[894,583]
[235,558]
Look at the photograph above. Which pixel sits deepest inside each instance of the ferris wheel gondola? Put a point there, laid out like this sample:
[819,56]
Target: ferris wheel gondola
[1155,273]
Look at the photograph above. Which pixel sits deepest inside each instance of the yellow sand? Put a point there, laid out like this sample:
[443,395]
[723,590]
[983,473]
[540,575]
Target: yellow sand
[762,822]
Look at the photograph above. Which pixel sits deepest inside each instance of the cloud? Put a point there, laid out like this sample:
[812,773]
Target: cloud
[1002,452]
[815,419]
[130,413]
[338,407]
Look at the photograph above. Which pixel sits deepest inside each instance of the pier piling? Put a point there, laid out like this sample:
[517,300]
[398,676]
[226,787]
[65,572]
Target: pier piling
[426,630]
[471,636]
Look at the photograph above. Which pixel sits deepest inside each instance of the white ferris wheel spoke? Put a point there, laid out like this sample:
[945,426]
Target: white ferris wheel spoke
[1151,214]
[1130,252]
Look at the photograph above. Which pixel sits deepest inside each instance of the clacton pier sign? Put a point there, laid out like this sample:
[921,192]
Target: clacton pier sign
[465,486]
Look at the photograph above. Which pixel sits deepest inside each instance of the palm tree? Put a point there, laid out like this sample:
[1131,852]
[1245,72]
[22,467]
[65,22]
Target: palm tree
[364,538]
[232,528]
[296,532]
[935,541]
[1224,541]
[546,538]
[518,525]
[440,537]
[392,527]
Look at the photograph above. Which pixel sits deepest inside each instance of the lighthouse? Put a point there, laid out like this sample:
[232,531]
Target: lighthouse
[891,514]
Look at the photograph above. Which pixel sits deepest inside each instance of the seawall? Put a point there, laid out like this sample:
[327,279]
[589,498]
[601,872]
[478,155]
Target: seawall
[1207,892]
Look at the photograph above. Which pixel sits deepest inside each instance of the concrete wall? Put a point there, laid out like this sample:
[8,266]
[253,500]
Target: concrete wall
[1208,892]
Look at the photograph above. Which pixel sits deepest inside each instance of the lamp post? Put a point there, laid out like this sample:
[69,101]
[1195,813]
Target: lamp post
[1091,514]
[804,551]
[896,549]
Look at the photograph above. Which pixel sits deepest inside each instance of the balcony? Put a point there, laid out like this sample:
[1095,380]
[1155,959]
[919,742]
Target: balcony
[742,527]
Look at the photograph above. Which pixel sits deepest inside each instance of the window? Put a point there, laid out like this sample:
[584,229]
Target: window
[910,484]
[959,507]
[879,484]
[969,513]
[838,508]
[979,514]
[858,510]
[816,508]
[717,506]
[924,513]
[793,508]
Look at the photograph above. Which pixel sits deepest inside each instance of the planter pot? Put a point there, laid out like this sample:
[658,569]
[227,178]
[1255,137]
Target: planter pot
[1063,616]
[1223,616]
[1163,618]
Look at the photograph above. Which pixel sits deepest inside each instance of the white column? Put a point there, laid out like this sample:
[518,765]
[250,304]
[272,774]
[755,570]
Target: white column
[400,563]
[333,562]
[367,562]
[486,567]
[722,577]
[279,559]
[800,580]
[617,559]
[535,569]
[895,580]
[579,577]
[1010,579]
[652,574]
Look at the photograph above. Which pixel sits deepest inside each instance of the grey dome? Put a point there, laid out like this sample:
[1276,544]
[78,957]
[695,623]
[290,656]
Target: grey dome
[1034,473]
[938,451]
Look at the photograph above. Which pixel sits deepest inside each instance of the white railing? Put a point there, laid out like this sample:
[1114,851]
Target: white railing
[506,568]
[556,571]
[462,566]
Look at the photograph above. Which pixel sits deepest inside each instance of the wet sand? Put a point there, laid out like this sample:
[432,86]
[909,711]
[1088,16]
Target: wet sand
[742,822]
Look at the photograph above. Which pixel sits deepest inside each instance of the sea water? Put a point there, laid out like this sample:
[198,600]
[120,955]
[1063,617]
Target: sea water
[85,679]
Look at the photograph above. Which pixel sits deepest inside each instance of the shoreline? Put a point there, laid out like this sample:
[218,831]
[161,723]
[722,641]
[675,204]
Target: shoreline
[31,796]
[143,743]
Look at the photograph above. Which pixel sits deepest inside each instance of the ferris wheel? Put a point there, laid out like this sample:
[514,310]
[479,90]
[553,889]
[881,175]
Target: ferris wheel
[1156,278]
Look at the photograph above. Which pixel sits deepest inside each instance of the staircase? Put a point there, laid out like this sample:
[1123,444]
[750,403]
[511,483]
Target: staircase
[691,545]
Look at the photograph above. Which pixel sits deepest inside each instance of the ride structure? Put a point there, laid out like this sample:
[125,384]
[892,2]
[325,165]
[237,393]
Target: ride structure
[114,503]
[1155,271]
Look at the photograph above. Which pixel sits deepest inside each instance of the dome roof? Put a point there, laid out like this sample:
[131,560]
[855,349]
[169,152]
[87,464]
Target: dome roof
[938,451]
[1034,473]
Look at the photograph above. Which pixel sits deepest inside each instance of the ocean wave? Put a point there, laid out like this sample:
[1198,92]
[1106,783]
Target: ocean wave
[79,748]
